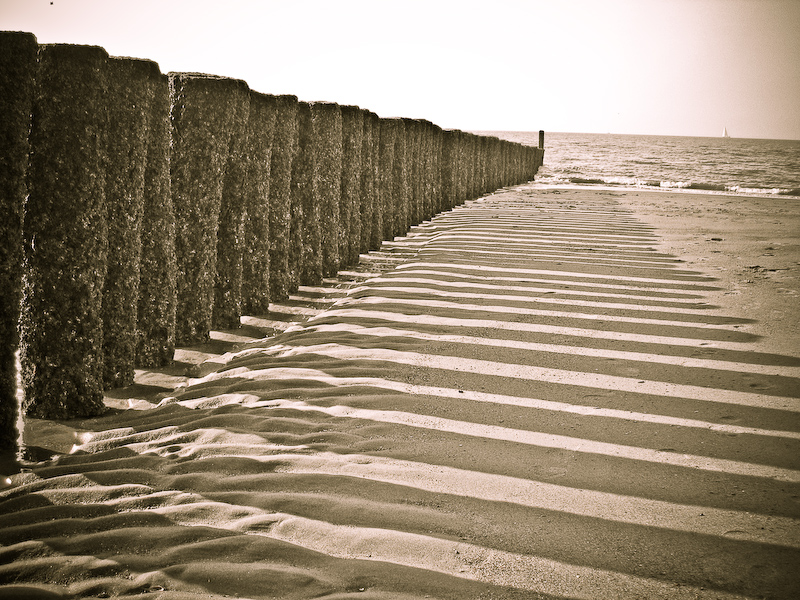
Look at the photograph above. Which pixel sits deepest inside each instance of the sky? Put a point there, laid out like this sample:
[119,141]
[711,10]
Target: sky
[662,67]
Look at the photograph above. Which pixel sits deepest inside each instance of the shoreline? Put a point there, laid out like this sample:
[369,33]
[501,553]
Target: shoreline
[606,187]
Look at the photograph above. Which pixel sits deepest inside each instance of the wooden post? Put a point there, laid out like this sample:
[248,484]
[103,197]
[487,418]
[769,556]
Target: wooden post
[227,310]
[327,128]
[128,99]
[65,234]
[283,252]
[203,122]
[158,267]
[17,70]
[386,177]
[541,138]
[256,265]
[305,202]
[371,184]
[350,214]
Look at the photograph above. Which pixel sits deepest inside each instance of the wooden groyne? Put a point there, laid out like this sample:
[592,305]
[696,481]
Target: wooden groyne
[139,210]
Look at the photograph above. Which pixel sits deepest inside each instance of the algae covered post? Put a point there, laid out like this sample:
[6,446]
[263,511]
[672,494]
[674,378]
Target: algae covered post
[227,309]
[327,131]
[65,234]
[386,188]
[128,102]
[370,184]
[158,268]
[400,177]
[256,259]
[350,216]
[17,70]
[284,148]
[201,129]
[305,206]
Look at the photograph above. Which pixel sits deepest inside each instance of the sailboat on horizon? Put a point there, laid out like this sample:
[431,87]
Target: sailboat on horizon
[725,132]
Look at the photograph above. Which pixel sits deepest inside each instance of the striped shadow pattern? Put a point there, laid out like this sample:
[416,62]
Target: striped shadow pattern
[533,403]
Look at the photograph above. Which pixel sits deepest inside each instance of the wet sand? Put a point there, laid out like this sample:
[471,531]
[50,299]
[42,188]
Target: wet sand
[545,393]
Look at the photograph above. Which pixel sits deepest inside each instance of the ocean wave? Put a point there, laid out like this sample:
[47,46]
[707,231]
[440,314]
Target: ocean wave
[635,182]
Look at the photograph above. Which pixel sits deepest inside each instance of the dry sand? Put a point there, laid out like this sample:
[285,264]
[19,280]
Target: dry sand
[546,393]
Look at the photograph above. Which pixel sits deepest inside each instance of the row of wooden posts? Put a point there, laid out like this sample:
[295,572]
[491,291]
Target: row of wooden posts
[141,210]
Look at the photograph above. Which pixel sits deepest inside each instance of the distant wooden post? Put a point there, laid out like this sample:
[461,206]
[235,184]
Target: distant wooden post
[541,138]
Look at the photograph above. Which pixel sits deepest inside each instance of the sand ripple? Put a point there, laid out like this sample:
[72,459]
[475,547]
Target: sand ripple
[577,420]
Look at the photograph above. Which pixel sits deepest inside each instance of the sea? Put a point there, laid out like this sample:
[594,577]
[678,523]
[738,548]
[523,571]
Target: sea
[701,164]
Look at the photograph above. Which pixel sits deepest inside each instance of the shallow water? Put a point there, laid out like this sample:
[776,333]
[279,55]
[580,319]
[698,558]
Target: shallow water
[731,165]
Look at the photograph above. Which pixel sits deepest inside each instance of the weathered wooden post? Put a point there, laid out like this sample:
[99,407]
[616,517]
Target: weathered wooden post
[366,207]
[227,311]
[371,183]
[158,267]
[473,189]
[414,174]
[386,185]
[327,128]
[17,73]
[350,215]
[305,205]
[437,199]
[429,183]
[282,249]
[256,257]
[203,117]
[461,167]
[65,236]
[128,100]
[447,169]
[541,139]
[401,175]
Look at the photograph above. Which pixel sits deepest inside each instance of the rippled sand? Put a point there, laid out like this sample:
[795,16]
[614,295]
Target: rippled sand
[541,394]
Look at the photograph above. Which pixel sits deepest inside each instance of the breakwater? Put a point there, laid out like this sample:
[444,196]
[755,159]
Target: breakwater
[141,210]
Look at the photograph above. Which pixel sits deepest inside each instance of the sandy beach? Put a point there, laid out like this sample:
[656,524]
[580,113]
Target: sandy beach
[544,393]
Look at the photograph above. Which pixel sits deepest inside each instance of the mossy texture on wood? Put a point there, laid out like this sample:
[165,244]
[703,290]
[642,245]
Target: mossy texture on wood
[65,233]
[158,268]
[414,173]
[447,173]
[281,247]
[401,180]
[327,128]
[161,207]
[350,197]
[201,129]
[305,205]
[128,100]
[256,259]
[227,311]
[386,186]
[370,215]
[17,72]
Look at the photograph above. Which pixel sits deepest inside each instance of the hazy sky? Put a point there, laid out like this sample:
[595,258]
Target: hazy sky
[672,67]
